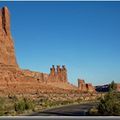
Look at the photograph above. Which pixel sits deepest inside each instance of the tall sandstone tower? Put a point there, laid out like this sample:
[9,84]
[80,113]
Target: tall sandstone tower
[7,52]
[58,74]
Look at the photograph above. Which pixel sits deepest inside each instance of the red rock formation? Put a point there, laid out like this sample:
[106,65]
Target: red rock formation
[52,71]
[85,87]
[58,74]
[82,85]
[14,79]
[52,75]
[90,87]
[64,74]
[7,52]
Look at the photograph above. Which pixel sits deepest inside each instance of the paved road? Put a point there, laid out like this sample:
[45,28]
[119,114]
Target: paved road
[71,110]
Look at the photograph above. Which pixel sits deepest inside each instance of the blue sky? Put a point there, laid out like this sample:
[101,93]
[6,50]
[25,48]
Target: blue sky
[84,36]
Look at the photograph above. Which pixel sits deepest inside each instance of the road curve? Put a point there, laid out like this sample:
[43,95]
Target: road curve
[71,110]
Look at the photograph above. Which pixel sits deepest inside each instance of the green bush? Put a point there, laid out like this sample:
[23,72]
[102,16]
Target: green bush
[23,104]
[2,106]
[28,104]
[112,86]
[20,105]
[110,104]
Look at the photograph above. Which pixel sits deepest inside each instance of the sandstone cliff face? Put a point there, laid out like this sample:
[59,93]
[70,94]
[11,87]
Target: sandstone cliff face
[14,79]
[7,52]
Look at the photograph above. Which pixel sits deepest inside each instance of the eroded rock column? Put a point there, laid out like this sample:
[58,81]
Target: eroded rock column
[7,52]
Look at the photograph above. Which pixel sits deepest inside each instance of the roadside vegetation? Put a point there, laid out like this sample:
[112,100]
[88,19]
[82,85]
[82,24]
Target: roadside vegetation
[23,104]
[12,105]
[109,104]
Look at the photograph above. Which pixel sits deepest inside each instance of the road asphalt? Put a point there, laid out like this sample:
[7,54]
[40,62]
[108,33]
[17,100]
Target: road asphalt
[70,110]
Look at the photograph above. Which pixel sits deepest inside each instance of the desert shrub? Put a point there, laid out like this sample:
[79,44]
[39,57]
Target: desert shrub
[29,104]
[110,104]
[23,104]
[20,106]
[1,113]
[2,105]
[112,86]
[93,111]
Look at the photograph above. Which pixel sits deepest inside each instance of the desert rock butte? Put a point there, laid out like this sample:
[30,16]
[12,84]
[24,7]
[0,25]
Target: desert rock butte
[14,80]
